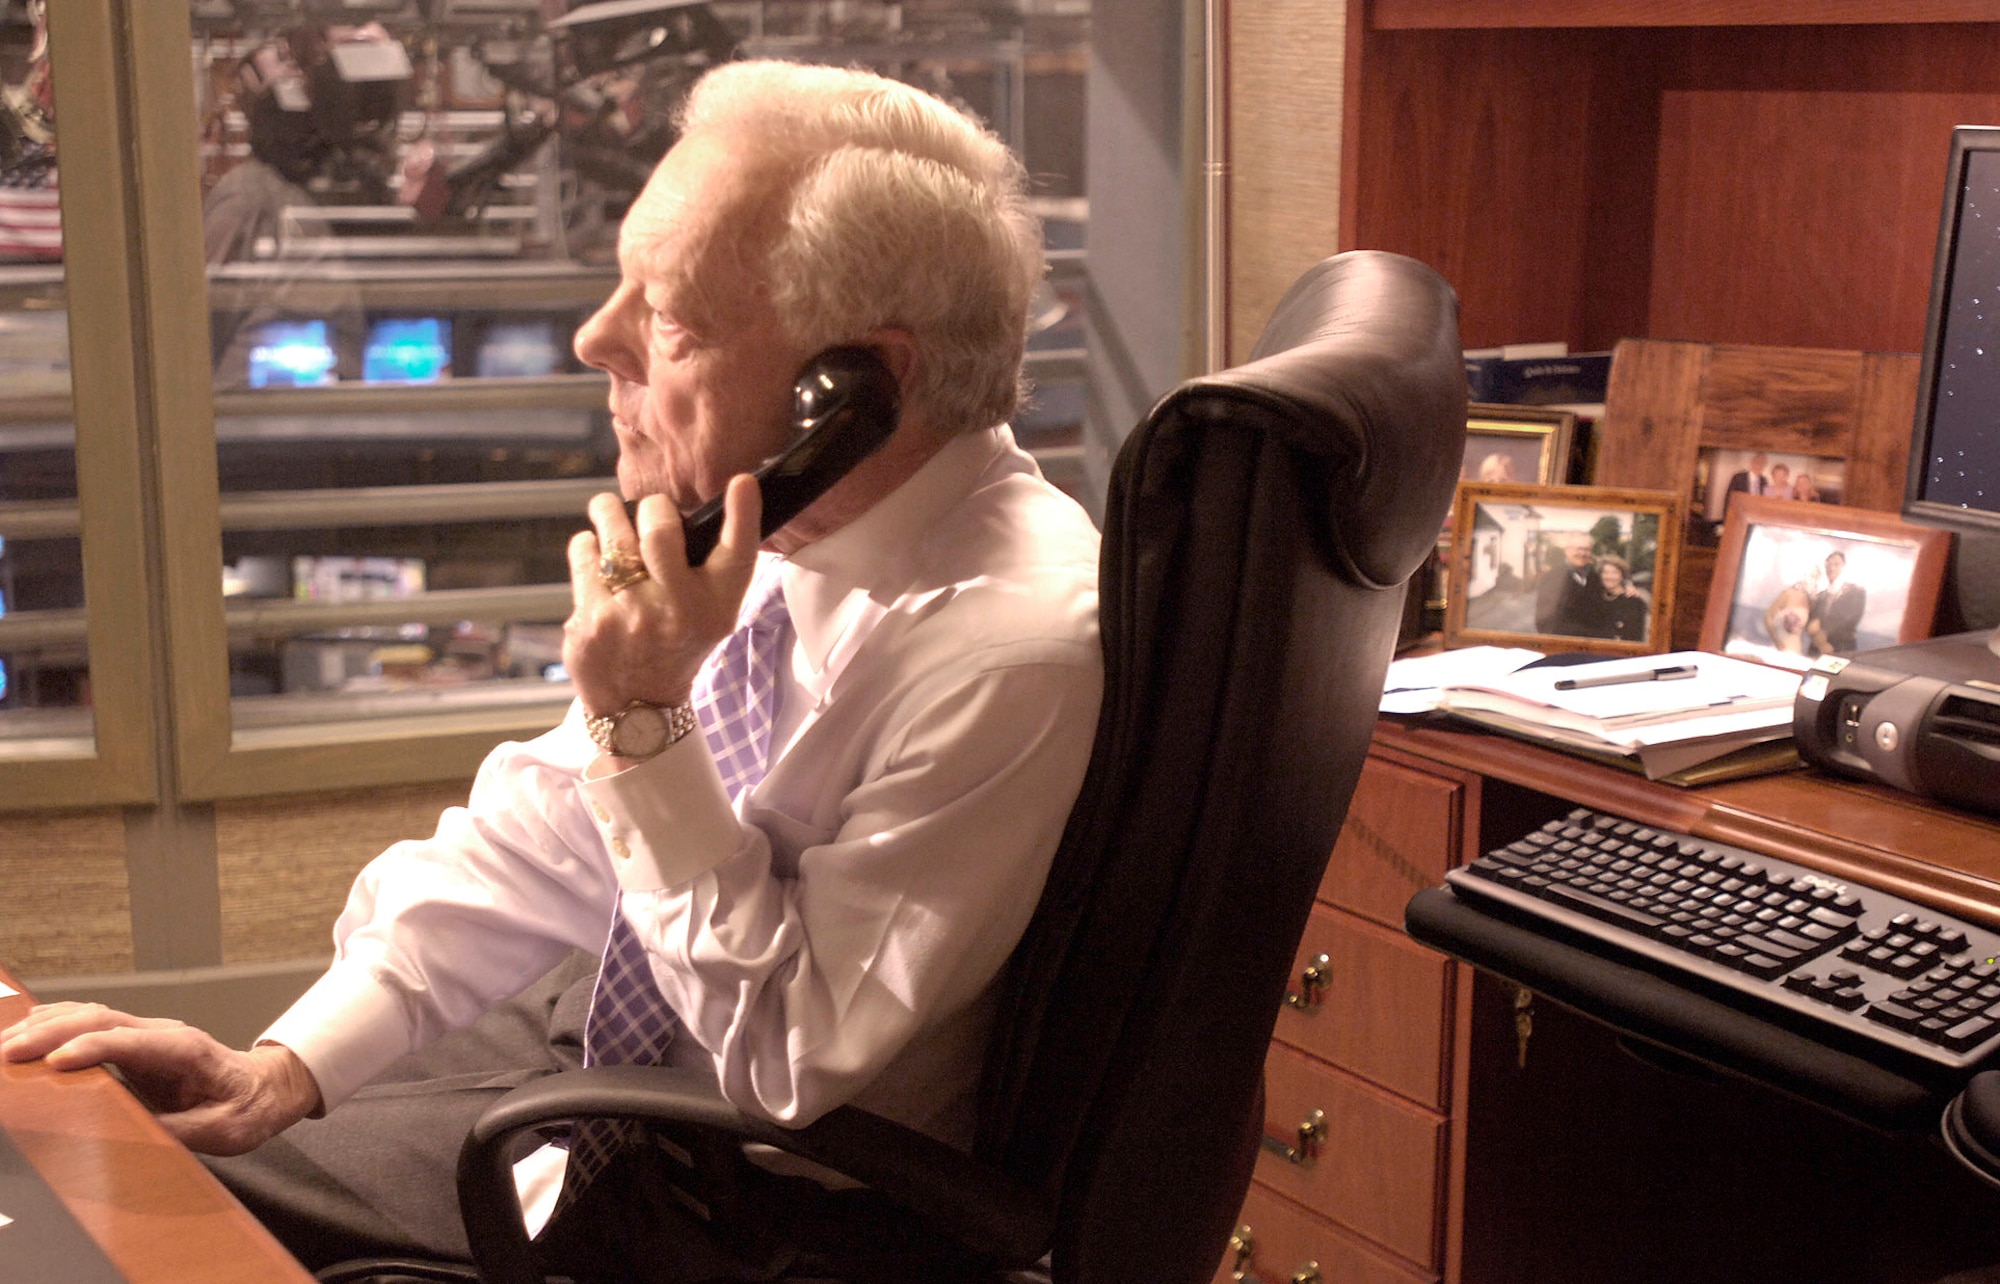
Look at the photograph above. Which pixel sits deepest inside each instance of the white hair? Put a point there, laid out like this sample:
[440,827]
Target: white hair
[897,210]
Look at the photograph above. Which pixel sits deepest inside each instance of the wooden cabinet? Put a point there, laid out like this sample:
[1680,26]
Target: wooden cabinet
[1356,1173]
[1724,171]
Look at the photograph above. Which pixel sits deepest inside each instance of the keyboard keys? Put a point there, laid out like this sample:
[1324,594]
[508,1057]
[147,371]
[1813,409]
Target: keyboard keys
[1877,967]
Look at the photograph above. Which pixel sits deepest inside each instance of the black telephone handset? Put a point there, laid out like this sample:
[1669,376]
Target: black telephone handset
[844,406]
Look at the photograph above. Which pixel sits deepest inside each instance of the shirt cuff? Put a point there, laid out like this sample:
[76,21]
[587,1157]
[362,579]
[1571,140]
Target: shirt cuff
[665,820]
[346,1028]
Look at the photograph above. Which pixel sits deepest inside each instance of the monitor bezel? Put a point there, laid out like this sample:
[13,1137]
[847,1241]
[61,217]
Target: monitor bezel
[1965,140]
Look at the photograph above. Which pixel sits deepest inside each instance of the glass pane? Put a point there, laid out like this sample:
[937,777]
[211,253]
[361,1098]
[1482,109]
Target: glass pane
[44,674]
[405,223]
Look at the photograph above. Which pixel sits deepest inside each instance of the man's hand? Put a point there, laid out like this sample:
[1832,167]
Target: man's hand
[212,1098]
[648,640]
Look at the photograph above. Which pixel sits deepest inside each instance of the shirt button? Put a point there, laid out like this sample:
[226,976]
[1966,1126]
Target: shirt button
[603,816]
[619,849]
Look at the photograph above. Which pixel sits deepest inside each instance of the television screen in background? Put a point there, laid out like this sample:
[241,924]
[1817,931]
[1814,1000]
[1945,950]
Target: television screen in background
[519,349]
[291,354]
[407,350]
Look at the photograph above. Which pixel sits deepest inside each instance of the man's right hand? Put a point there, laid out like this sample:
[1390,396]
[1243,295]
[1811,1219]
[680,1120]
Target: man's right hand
[212,1098]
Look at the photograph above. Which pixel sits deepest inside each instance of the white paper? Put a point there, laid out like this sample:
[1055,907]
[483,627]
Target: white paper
[4,1219]
[7,991]
[1725,695]
[1416,685]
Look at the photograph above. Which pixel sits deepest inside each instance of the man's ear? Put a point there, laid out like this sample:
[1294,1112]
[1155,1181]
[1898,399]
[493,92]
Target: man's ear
[898,349]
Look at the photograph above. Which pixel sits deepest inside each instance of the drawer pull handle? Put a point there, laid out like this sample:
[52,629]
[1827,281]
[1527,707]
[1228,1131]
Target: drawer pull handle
[1243,1243]
[1312,984]
[1311,1137]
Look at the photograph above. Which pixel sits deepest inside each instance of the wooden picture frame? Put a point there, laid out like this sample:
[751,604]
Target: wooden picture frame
[1529,568]
[1671,404]
[1529,445]
[1778,597]
[1525,444]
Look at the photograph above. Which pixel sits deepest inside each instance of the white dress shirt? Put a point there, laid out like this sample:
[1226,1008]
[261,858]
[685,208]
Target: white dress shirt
[835,937]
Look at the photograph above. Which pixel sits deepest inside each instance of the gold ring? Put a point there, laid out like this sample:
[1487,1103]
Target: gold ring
[619,569]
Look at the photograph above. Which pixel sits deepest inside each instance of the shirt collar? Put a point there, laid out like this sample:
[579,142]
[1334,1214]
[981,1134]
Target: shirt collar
[830,582]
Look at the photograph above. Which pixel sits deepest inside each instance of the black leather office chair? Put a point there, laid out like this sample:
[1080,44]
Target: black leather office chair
[1261,525]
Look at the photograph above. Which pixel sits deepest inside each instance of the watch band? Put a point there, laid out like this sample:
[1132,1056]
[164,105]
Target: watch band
[604,727]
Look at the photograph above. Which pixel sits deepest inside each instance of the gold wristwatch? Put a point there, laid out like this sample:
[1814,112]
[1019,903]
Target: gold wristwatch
[640,730]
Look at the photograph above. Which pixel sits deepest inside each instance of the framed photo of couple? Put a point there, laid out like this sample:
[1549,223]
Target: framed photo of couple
[1796,580]
[1563,568]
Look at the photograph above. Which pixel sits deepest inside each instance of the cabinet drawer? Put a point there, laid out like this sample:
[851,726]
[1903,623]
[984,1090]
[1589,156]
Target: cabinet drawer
[1376,1007]
[1376,1168]
[1400,837]
[1286,1243]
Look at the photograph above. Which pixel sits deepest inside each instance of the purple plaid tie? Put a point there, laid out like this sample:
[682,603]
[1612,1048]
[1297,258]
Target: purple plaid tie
[735,697]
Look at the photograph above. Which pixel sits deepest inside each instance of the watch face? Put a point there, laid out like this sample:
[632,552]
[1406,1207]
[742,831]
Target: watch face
[641,732]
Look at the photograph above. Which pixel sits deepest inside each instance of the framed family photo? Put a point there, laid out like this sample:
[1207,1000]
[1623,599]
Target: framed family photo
[1524,444]
[1563,568]
[1723,475]
[1503,444]
[1796,580]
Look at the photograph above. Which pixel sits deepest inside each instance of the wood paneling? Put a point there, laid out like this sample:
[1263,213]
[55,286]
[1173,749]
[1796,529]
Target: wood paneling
[1773,185]
[285,863]
[1386,14]
[1380,1011]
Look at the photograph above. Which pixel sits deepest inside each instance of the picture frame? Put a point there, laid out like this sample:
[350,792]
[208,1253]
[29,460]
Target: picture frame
[1528,445]
[1671,404]
[1779,597]
[1530,567]
[1525,444]
[1724,474]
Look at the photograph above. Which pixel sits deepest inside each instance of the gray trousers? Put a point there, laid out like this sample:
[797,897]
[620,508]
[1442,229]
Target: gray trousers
[377,1178]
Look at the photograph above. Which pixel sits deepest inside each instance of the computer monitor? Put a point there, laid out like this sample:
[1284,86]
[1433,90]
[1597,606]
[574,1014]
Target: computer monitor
[407,350]
[291,354]
[1954,476]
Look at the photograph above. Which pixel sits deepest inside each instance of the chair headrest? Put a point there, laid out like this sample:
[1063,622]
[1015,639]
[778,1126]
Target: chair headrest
[1359,367]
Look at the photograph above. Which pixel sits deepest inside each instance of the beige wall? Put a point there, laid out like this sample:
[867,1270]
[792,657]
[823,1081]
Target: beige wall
[284,864]
[1285,65]
[65,902]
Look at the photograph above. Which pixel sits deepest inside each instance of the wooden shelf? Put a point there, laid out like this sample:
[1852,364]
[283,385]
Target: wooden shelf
[1580,177]
[1403,15]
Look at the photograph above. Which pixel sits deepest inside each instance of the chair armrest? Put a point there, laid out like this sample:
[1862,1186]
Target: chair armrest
[978,1207]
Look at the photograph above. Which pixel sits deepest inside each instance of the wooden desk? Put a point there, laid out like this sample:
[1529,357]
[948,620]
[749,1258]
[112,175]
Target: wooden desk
[1450,1146]
[157,1213]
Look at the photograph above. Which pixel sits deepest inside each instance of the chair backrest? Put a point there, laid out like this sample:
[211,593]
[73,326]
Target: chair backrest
[1259,531]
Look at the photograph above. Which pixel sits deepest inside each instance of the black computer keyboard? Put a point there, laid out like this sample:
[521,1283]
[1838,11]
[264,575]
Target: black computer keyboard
[1855,963]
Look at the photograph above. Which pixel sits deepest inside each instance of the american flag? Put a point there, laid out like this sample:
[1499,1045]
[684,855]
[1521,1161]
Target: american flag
[30,213]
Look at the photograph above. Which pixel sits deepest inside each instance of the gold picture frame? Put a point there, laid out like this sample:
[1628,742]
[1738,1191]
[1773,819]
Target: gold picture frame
[1533,566]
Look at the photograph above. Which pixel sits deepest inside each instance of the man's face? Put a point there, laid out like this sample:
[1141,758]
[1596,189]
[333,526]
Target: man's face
[1757,463]
[1835,564]
[1578,553]
[701,378]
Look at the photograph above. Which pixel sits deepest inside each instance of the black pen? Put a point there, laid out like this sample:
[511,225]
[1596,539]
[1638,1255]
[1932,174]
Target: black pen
[1616,679]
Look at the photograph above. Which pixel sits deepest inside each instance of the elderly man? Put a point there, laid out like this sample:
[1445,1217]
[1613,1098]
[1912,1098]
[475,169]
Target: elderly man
[813,896]
[1562,595]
